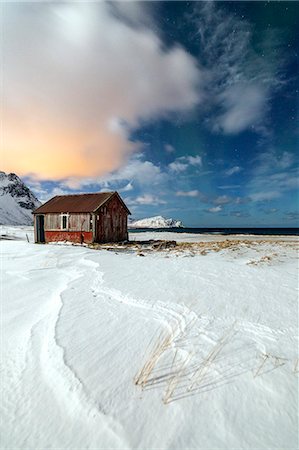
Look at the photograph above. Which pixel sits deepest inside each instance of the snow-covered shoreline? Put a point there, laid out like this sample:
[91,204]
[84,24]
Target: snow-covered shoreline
[79,327]
[20,232]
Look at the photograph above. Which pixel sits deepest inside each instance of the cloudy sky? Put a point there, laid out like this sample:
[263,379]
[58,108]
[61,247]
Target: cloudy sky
[188,109]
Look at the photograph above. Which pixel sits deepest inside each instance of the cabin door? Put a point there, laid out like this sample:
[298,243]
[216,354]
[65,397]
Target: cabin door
[40,229]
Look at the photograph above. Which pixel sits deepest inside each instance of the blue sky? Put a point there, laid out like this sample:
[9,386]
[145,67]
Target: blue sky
[192,106]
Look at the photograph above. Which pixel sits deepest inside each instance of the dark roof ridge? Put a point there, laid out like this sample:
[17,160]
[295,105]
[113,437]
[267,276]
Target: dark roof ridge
[85,193]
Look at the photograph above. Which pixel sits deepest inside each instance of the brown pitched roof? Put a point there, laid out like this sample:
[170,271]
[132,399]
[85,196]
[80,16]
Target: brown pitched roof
[77,203]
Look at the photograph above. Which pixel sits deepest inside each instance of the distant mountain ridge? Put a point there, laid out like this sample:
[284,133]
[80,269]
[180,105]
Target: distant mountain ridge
[17,201]
[156,222]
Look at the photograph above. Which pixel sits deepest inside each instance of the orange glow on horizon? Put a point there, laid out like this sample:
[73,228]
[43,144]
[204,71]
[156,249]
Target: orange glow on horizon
[56,153]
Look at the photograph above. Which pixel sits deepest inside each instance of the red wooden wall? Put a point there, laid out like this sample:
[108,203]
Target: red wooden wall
[111,222]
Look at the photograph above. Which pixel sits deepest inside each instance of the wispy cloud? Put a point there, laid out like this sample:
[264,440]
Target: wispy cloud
[214,209]
[270,210]
[126,188]
[244,107]
[182,163]
[229,186]
[240,214]
[178,166]
[169,148]
[194,160]
[292,215]
[222,200]
[194,193]
[219,201]
[242,200]
[274,174]
[268,195]
[239,79]
[146,199]
[272,160]
[233,170]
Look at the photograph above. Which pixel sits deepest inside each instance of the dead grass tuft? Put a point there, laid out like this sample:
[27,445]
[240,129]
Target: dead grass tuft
[175,379]
[190,248]
[163,342]
[199,374]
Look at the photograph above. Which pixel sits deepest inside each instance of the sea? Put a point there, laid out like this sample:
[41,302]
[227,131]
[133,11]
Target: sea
[225,231]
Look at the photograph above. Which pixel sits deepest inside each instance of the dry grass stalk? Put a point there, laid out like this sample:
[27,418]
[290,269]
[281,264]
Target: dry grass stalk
[174,380]
[200,373]
[279,361]
[162,343]
[265,357]
[296,366]
[174,358]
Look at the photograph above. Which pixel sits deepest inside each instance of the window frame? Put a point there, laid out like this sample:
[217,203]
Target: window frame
[66,217]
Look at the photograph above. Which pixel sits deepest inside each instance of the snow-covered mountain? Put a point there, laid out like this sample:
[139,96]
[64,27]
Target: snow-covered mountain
[16,201]
[156,222]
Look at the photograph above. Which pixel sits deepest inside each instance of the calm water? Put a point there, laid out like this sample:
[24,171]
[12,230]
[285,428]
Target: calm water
[257,231]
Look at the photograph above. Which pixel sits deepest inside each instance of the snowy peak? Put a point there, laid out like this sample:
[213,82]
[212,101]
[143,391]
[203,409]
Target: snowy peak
[156,222]
[16,201]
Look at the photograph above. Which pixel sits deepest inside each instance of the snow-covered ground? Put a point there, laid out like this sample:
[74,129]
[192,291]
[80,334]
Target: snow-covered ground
[211,341]
[190,237]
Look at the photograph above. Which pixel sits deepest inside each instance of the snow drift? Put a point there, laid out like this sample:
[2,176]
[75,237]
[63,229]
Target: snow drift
[107,350]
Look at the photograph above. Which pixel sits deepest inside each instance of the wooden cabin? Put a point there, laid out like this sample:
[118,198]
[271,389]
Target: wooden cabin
[82,218]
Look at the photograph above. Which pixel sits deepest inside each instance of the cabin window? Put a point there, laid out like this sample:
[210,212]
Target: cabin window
[64,221]
[90,223]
